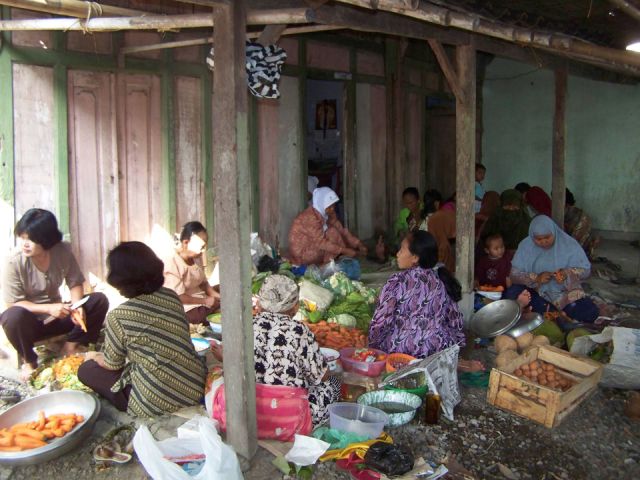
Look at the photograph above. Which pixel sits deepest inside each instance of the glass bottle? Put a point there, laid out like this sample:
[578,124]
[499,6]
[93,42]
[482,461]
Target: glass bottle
[431,408]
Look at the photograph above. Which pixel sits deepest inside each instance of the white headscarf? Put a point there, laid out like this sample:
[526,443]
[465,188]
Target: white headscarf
[323,198]
[312,183]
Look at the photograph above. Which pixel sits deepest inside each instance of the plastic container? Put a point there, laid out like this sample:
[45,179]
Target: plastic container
[331,356]
[369,369]
[399,406]
[397,358]
[359,419]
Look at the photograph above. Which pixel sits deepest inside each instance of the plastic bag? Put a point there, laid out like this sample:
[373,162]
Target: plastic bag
[623,369]
[350,267]
[389,458]
[220,462]
[319,296]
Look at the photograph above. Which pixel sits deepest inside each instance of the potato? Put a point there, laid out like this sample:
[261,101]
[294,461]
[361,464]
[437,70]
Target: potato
[524,340]
[540,340]
[518,372]
[505,358]
[504,343]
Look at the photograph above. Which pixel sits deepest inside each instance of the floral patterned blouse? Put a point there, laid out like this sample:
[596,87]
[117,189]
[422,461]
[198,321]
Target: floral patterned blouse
[286,352]
[415,315]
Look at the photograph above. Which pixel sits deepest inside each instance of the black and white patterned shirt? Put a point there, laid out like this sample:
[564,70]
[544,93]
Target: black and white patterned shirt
[286,352]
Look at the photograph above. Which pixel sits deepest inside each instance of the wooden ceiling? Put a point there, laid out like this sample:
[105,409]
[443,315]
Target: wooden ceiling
[597,21]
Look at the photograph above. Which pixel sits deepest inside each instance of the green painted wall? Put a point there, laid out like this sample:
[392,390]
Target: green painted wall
[602,143]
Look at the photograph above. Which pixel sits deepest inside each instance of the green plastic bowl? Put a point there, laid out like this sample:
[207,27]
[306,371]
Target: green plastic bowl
[420,391]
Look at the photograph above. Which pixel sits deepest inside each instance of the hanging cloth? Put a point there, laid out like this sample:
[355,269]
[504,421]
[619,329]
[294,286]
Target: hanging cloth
[264,64]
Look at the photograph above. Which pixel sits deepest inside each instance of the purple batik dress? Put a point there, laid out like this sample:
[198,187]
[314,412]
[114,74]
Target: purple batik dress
[415,315]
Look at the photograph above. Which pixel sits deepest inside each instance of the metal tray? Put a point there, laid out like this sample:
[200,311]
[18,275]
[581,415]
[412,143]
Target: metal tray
[65,401]
[495,319]
[528,321]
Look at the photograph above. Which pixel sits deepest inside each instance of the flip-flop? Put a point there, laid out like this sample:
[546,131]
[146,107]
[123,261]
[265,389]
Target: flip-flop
[108,453]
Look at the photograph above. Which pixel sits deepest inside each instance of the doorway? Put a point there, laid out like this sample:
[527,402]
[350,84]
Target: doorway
[324,135]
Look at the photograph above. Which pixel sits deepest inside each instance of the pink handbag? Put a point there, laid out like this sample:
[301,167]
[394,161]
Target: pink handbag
[281,411]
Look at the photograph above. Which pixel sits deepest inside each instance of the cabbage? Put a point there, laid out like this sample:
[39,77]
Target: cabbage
[344,319]
[357,306]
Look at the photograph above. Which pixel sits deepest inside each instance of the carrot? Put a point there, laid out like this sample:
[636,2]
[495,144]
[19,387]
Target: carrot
[19,425]
[79,418]
[11,449]
[41,420]
[59,432]
[48,433]
[29,433]
[6,441]
[28,442]
[322,323]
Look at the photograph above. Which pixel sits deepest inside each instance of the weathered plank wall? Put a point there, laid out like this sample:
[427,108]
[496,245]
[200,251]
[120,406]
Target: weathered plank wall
[190,180]
[93,169]
[139,132]
[34,130]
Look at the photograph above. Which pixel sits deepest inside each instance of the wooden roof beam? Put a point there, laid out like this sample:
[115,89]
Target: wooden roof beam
[558,43]
[73,8]
[627,7]
[447,69]
[152,22]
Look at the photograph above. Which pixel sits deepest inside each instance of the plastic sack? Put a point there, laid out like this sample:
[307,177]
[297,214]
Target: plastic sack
[281,411]
[259,248]
[350,267]
[389,458]
[220,463]
[317,295]
[441,370]
[623,369]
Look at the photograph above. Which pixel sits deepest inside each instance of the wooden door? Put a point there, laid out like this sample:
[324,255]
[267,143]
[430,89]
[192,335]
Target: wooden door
[93,169]
[139,155]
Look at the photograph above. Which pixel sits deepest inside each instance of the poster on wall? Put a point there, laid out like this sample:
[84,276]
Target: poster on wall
[326,115]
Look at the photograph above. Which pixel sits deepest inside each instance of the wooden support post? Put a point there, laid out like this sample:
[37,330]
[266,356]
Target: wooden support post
[231,177]
[271,34]
[465,174]
[557,160]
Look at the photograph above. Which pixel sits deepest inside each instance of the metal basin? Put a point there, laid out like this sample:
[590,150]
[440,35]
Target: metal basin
[495,319]
[65,401]
[528,321]
[389,402]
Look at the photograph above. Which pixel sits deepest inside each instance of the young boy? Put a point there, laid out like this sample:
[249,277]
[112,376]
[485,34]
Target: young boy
[495,267]
[481,171]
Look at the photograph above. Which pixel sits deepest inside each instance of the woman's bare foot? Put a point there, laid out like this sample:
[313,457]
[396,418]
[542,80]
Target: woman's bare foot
[524,299]
[69,348]
[25,372]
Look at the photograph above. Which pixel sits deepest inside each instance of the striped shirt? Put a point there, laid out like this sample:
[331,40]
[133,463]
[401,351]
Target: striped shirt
[148,336]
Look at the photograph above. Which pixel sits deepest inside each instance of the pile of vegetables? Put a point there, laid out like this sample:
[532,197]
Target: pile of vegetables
[367,355]
[60,375]
[508,347]
[333,335]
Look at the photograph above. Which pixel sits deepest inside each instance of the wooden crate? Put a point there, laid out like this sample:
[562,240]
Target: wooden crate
[539,403]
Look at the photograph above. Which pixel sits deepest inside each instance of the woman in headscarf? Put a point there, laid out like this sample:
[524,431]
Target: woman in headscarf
[441,224]
[538,201]
[490,203]
[317,236]
[285,350]
[550,265]
[578,224]
[511,220]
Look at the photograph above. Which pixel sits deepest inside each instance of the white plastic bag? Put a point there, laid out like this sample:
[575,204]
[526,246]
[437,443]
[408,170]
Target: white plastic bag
[623,369]
[221,462]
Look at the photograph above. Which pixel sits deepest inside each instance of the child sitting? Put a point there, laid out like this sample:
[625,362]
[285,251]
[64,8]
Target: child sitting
[494,268]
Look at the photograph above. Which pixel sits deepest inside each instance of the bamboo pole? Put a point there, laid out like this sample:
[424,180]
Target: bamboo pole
[474,23]
[209,40]
[73,8]
[627,7]
[152,22]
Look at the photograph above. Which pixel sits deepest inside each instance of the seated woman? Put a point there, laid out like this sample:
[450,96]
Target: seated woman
[490,203]
[578,224]
[510,221]
[285,350]
[184,274]
[31,283]
[538,201]
[417,313]
[148,365]
[550,265]
[410,216]
[317,236]
[441,224]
